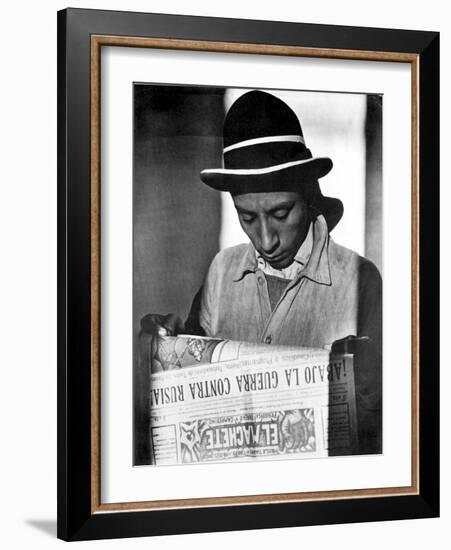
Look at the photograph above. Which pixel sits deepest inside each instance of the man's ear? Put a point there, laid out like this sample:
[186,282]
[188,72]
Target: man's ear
[312,194]
[313,212]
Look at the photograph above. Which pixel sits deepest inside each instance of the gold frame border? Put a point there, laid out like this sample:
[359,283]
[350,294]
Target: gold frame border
[97,41]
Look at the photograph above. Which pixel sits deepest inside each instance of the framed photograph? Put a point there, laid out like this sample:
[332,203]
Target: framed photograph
[248,274]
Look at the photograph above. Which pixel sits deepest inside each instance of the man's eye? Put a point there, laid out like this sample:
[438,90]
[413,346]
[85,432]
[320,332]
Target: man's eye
[281,214]
[247,218]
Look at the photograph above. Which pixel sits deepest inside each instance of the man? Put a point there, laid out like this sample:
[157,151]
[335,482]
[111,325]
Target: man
[292,284]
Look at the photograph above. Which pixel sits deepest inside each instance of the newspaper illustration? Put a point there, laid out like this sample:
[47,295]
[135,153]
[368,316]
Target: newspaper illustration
[219,400]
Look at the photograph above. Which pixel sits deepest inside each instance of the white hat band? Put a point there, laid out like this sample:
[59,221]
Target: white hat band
[268,139]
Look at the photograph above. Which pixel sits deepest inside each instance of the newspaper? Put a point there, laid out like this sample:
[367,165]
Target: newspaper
[219,400]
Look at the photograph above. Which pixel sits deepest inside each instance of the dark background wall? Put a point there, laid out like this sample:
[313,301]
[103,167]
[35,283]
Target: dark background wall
[176,217]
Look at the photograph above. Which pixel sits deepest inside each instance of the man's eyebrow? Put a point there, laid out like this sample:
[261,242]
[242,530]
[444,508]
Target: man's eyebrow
[278,206]
[281,206]
[244,211]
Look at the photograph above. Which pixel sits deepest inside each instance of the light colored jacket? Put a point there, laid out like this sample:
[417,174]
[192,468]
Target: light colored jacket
[338,293]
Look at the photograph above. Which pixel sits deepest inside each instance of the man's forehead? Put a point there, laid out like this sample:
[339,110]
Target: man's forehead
[265,200]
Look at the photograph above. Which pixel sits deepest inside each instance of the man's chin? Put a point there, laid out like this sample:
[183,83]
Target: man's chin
[282,263]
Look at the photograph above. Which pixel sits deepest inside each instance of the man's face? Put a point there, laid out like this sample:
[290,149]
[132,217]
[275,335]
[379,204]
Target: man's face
[276,223]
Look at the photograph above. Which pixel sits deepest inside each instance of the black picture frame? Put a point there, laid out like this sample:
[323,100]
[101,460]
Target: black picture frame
[77,520]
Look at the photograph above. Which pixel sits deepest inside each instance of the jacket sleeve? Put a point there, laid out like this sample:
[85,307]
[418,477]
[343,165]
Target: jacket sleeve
[369,322]
[200,317]
[368,373]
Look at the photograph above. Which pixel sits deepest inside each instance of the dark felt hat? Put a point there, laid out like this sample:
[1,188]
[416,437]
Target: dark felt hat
[265,150]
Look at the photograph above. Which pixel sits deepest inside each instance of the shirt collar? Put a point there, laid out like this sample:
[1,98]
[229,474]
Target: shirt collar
[311,260]
[295,268]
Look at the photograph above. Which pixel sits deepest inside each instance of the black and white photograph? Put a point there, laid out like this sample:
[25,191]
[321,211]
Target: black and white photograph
[257,274]
[225,254]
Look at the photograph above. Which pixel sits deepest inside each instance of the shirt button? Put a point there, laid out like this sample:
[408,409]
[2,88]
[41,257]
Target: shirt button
[260,280]
[268,340]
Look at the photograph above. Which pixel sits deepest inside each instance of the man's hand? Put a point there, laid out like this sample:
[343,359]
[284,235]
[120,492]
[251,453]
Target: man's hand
[368,389]
[154,327]
[367,366]
[162,325]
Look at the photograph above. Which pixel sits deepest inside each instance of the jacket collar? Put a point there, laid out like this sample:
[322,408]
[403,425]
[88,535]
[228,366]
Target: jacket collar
[313,254]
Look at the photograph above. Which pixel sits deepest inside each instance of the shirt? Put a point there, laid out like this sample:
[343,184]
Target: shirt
[276,287]
[278,279]
[337,293]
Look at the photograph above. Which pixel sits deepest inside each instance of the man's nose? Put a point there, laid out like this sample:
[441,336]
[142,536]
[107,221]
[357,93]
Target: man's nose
[268,238]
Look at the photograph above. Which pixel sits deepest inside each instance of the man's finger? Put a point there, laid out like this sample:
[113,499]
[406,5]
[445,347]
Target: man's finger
[350,344]
[162,331]
[173,324]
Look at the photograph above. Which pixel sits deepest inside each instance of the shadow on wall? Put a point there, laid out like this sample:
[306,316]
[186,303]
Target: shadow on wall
[373,180]
[177,219]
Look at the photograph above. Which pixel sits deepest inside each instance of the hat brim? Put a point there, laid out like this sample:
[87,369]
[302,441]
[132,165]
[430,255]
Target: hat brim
[279,177]
[270,178]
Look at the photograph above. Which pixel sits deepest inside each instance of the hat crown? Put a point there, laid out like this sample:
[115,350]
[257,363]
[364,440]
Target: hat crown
[260,131]
[257,114]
